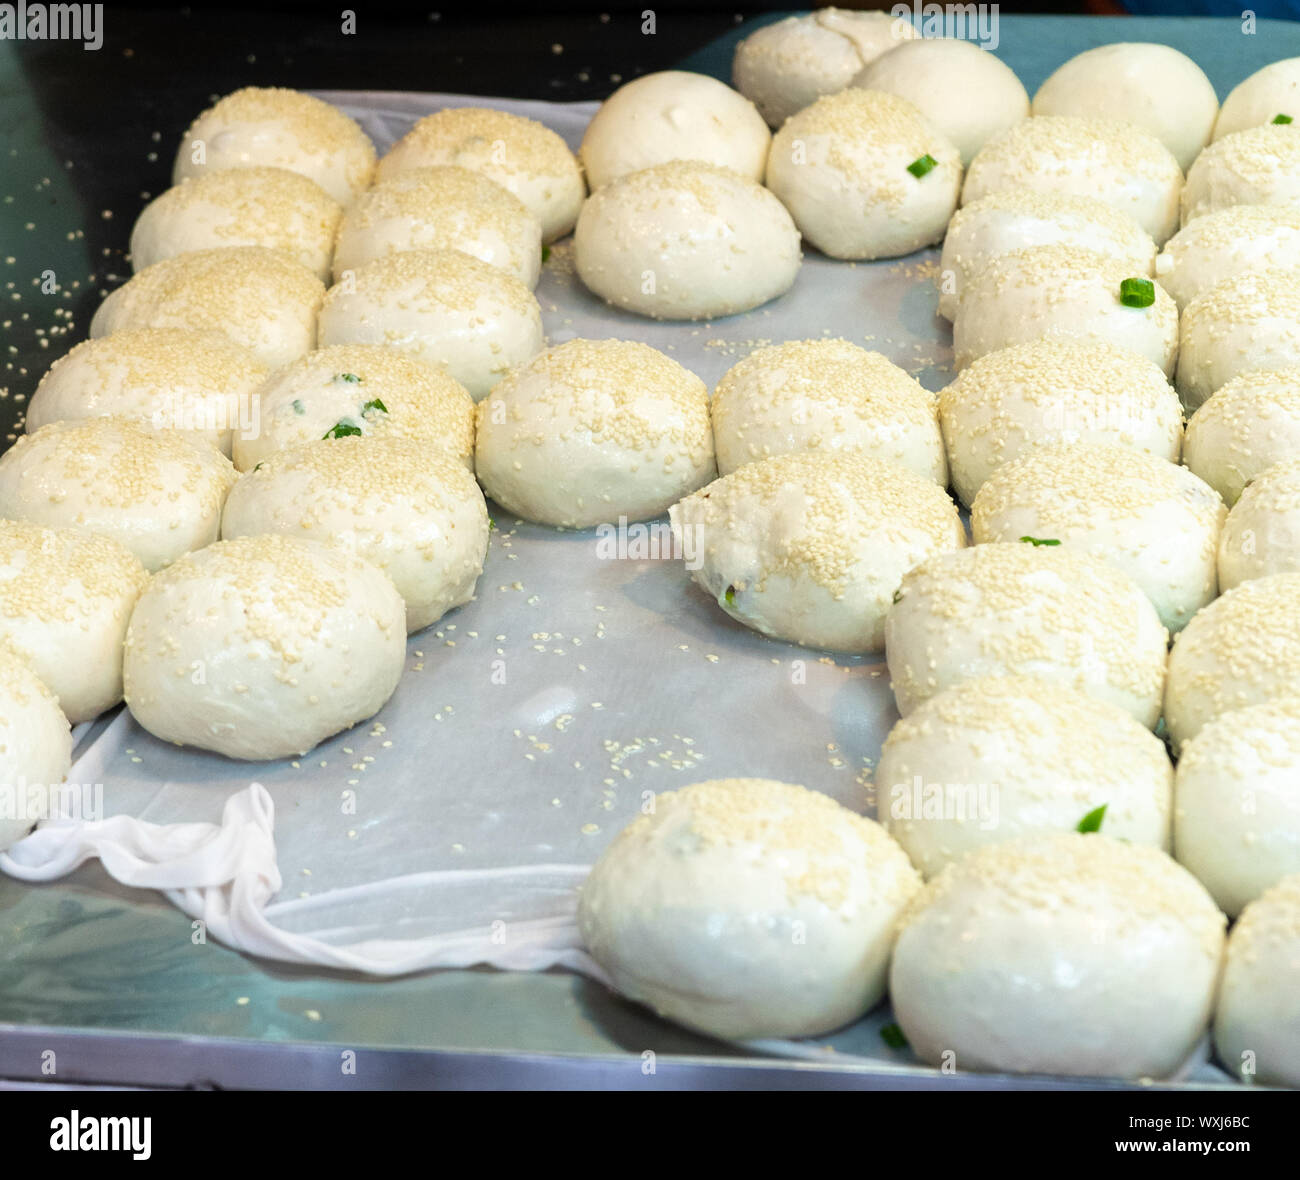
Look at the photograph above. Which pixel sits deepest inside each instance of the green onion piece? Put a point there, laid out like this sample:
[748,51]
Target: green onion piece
[893,1036]
[1092,821]
[729,596]
[373,404]
[898,596]
[1036,541]
[1137,292]
[492,525]
[350,378]
[342,429]
[546,250]
[1282,119]
[921,166]
[298,407]
[258,467]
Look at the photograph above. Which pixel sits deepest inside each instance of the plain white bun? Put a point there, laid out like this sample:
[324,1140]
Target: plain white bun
[1123,165]
[847,169]
[594,430]
[35,748]
[1150,518]
[1054,391]
[1259,99]
[966,92]
[673,115]
[443,308]
[1260,166]
[1001,757]
[748,908]
[825,395]
[279,128]
[1059,954]
[159,493]
[263,647]
[365,388]
[443,207]
[1015,219]
[1061,292]
[1245,323]
[1257,1023]
[1221,245]
[1243,429]
[65,599]
[686,241]
[785,66]
[200,383]
[1020,609]
[1242,649]
[260,298]
[1262,533]
[1153,86]
[419,517]
[810,547]
[1237,802]
[269,207]
[522,155]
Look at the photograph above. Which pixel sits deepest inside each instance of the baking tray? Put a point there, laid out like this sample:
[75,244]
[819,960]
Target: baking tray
[112,980]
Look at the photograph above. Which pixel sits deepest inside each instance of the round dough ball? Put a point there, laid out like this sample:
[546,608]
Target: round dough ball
[442,307]
[1153,86]
[1018,609]
[1260,166]
[65,599]
[748,908]
[1242,649]
[811,547]
[1056,292]
[1221,245]
[1237,802]
[334,391]
[1015,219]
[963,90]
[1054,391]
[1154,520]
[269,207]
[1259,99]
[439,207]
[522,155]
[1248,322]
[845,168]
[1128,168]
[686,241]
[263,647]
[825,395]
[673,115]
[1257,1022]
[1241,431]
[279,128]
[419,517]
[258,297]
[200,383]
[594,430]
[1262,533]
[158,493]
[1001,757]
[35,748]
[783,67]
[1060,954]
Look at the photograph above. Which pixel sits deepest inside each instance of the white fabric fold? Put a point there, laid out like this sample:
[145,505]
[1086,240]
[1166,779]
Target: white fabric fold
[225,875]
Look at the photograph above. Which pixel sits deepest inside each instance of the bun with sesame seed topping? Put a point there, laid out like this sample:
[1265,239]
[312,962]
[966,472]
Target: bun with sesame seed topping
[35,747]
[263,647]
[748,908]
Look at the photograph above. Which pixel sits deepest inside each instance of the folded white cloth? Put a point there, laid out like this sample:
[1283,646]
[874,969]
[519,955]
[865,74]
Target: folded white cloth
[225,875]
